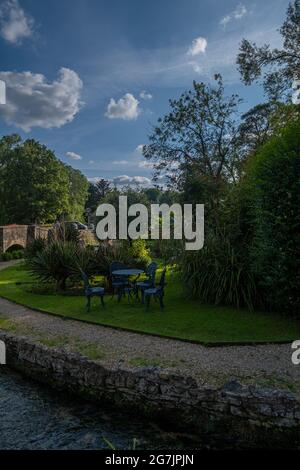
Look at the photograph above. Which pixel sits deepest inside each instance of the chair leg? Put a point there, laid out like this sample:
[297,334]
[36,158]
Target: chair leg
[161,302]
[88,304]
[102,301]
[136,293]
[120,294]
[147,298]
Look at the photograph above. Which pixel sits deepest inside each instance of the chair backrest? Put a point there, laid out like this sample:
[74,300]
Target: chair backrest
[162,281]
[85,279]
[151,272]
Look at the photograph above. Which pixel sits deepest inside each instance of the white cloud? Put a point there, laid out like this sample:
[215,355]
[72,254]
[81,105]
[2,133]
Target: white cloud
[120,162]
[91,162]
[94,180]
[126,108]
[125,180]
[140,149]
[73,156]
[32,101]
[237,14]
[145,96]
[145,164]
[15,24]
[198,46]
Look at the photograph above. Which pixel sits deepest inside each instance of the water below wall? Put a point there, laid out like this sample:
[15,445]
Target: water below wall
[34,417]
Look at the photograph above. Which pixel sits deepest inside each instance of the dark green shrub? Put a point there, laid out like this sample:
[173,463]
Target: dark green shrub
[135,252]
[59,262]
[219,274]
[273,186]
[11,255]
[6,256]
[18,254]
[35,247]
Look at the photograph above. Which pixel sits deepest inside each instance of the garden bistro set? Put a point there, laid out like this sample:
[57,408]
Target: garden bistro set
[124,282]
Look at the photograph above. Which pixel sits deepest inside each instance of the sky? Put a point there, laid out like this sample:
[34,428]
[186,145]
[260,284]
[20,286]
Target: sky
[90,78]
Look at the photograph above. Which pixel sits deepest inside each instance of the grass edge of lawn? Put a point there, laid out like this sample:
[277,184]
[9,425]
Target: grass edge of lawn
[156,335]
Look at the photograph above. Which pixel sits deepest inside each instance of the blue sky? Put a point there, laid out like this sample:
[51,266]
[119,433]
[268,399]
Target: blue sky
[89,78]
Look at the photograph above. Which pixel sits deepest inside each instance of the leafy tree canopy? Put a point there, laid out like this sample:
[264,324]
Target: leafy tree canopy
[279,67]
[200,130]
[96,192]
[35,185]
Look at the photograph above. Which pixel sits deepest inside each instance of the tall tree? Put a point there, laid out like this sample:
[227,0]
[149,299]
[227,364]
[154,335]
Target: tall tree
[78,193]
[263,121]
[35,185]
[96,192]
[279,67]
[199,132]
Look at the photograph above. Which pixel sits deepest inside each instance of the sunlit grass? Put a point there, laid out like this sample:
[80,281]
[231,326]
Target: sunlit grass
[182,318]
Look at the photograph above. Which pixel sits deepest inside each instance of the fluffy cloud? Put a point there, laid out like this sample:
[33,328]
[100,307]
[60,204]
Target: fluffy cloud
[15,24]
[126,108]
[73,156]
[237,14]
[145,96]
[94,180]
[198,46]
[125,180]
[32,101]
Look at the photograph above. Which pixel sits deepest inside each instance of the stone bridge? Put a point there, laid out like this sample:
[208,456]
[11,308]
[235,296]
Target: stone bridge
[20,235]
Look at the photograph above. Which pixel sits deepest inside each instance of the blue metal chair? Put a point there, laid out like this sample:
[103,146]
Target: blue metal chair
[92,291]
[156,292]
[118,283]
[150,281]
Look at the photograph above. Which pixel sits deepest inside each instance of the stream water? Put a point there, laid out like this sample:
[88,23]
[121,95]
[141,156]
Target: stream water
[34,417]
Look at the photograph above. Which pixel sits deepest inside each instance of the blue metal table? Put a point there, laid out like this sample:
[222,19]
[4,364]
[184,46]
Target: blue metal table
[128,272]
[132,285]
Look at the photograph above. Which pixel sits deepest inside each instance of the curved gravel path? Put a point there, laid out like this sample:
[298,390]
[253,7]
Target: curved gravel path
[264,364]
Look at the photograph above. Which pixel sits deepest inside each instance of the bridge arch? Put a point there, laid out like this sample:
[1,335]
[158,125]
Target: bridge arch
[13,236]
[18,245]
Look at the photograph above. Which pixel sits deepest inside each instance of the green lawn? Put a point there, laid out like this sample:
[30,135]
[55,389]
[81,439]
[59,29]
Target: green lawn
[186,319]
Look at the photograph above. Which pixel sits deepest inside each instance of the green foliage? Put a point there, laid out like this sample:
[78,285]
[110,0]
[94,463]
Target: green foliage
[134,196]
[133,254]
[261,122]
[169,251]
[62,260]
[58,262]
[11,255]
[136,252]
[35,186]
[200,129]
[78,194]
[279,67]
[184,318]
[96,192]
[273,188]
[218,274]
[35,247]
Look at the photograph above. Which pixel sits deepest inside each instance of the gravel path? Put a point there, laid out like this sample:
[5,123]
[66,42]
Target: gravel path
[263,364]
